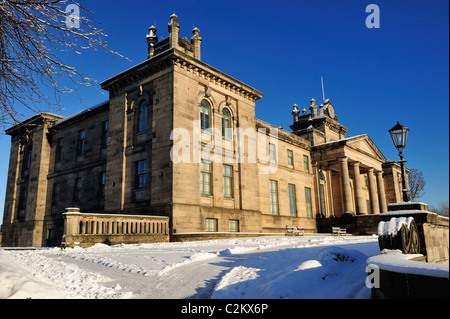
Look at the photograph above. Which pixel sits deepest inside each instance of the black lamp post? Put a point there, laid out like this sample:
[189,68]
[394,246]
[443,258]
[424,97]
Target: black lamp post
[399,134]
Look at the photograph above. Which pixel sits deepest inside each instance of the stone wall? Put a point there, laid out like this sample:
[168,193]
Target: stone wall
[437,242]
[355,225]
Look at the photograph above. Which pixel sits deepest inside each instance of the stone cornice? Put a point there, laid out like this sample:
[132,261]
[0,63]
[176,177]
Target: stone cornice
[174,57]
[215,76]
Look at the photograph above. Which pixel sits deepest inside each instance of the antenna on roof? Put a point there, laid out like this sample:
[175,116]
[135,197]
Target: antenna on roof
[323,90]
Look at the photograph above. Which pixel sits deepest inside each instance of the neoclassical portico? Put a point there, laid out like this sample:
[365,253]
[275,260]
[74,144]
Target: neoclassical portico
[353,176]
[356,167]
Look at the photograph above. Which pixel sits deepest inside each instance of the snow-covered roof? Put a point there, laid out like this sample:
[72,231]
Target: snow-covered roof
[85,111]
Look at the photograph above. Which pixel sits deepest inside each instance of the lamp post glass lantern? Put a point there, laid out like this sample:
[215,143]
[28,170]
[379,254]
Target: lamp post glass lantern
[399,135]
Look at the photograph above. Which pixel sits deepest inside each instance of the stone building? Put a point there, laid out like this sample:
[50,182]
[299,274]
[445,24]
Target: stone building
[179,139]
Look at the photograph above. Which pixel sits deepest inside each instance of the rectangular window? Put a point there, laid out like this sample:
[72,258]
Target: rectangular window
[228,181]
[292,200]
[55,193]
[22,203]
[78,189]
[290,156]
[322,199]
[81,142]
[272,152]
[273,197]
[58,151]
[27,157]
[368,206]
[233,225]
[211,224]
[101,184]
[142,117]
[206,177]
[105,128]
[305,163]
[308,202]
[141,174]
[23,198]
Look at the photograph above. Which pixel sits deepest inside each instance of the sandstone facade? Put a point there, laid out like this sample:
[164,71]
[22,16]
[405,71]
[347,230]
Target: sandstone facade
[179,138]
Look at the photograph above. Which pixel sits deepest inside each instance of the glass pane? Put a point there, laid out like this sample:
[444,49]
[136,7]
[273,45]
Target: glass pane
[308,202]
[142,120]
[292,200]
[290,157]
[273,197]
[204,116]
[226,124]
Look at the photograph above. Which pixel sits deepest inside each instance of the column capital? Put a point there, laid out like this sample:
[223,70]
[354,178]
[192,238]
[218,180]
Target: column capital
[356,163]
[343,159]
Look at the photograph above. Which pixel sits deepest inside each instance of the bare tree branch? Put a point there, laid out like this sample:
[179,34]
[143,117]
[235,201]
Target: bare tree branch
[32,34]
[416,184]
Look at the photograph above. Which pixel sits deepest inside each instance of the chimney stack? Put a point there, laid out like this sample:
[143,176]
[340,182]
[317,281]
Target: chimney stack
[152,38]
[174,30]
[196,41]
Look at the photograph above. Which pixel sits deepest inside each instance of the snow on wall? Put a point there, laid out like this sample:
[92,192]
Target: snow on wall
[391,227]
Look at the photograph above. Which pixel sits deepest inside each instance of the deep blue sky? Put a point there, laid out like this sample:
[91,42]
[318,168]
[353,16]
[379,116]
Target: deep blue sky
[373,77]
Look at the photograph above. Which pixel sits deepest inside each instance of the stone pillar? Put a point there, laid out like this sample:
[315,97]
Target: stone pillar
[361,207]
[381,193]
[373,192]
[346,190]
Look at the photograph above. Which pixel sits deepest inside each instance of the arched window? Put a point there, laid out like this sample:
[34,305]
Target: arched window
[226,124]
[142,117]
[205,115]
[321,176]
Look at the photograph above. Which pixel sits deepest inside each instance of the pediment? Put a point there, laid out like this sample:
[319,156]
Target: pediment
[365,145]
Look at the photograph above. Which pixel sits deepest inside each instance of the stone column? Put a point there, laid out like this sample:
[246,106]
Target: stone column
[381,193]
[346,190]
[373,192]
[361,207]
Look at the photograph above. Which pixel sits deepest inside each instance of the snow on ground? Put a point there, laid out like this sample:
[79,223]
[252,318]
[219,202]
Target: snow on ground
[256,267]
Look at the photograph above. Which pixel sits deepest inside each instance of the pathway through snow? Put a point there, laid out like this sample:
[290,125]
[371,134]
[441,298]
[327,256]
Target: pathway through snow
[259,267]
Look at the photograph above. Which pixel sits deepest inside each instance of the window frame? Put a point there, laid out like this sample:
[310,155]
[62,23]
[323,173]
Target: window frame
[205,115]
[226,124]
[102,185]
[272,152]
[211,225]
[228,181]
[58,150]
[233,225]
[141,174]
[273,195]
[81,142]
[306,163]
[142,117]
[105,132]
[290,157]
[308,202]
[292,200]
[205,173]
[78,190]
[56,193]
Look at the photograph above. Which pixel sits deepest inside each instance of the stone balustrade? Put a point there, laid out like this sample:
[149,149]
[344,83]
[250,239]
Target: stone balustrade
[84,230]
